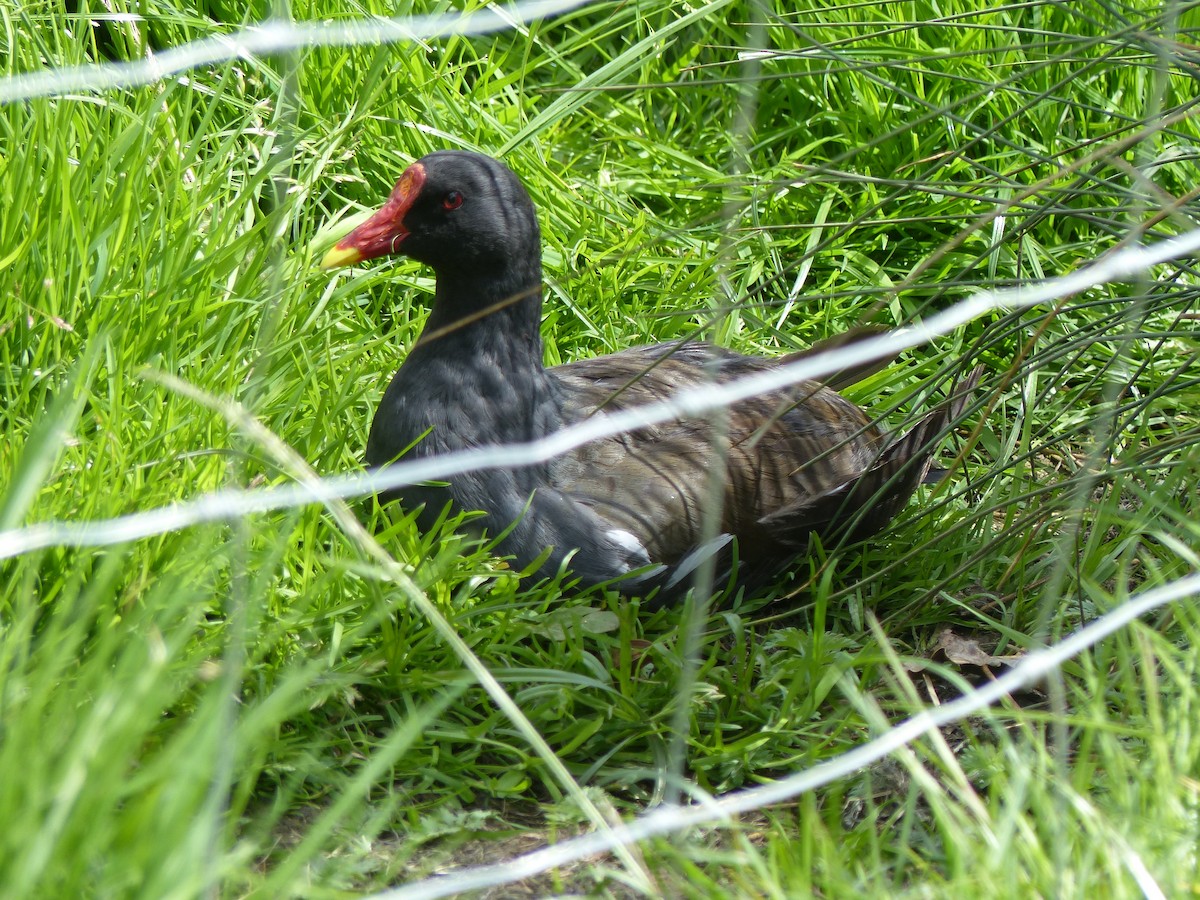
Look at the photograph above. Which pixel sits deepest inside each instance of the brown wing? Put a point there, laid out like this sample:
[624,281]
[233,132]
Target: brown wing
[868,503]
[773,452]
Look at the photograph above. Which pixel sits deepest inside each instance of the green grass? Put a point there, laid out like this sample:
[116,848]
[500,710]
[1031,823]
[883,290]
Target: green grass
[279,705]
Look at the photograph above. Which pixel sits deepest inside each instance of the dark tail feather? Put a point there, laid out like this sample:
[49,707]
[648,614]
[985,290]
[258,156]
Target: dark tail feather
[918,442]
[864,506]
[884,489]
[856,509]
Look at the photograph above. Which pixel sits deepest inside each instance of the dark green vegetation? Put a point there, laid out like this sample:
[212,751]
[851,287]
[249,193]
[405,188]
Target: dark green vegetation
[262,704]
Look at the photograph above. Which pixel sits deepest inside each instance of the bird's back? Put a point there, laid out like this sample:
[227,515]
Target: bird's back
[766,454]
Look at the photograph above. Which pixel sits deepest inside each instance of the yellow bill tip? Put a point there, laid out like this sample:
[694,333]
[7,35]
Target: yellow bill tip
[341,256]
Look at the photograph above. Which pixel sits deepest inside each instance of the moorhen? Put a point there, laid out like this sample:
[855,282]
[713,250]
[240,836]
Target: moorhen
[628,509]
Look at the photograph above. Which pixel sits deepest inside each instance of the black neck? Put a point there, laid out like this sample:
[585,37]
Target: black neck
[492,314]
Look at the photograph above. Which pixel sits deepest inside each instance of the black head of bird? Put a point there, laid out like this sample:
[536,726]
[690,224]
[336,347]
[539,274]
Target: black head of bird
[638,509]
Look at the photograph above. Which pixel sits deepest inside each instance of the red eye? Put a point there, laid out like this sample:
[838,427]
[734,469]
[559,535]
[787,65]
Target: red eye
[452,200]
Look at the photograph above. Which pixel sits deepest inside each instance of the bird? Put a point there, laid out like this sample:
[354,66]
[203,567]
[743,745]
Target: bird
[633,512]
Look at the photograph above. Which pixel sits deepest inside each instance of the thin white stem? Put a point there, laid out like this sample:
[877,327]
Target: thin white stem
[273,37]
[224,505]
[669,819]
